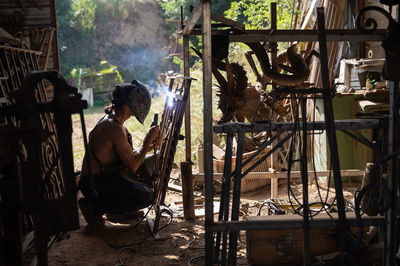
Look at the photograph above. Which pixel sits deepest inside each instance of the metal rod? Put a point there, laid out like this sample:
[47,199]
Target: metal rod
[225,199]
[279,144]
[362,139]
[261,148]
[304,179]
[208,142]
[349,124]
[391,241]
[330,128]
[283,222]
[93,192]
[233,235]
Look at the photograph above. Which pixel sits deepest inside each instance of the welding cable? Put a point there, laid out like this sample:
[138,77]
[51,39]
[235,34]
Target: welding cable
[135,246]
[324,203]
[314,168]
[290,160]
[389,196]
[360,194]
[127,230]
[195,258]
[189,244]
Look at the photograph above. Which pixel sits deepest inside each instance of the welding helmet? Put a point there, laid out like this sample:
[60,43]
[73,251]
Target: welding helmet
[136,96]
[139,100]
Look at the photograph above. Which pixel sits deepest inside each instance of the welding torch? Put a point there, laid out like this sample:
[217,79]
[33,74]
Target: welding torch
[154,123]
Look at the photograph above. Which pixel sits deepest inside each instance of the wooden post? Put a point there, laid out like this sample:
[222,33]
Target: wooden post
[274,55]
[187,190]
[208,141]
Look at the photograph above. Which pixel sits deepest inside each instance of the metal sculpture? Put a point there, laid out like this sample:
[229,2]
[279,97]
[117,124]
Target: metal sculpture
[170,133]
[43,128]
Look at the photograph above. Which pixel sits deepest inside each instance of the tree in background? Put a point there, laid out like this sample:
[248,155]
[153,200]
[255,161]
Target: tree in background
[128,34]
[255,14]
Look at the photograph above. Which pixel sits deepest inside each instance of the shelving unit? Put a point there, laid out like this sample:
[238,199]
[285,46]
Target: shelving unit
[217,231]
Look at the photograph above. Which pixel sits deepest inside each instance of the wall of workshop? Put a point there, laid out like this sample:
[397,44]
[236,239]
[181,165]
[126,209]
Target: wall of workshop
[352,154]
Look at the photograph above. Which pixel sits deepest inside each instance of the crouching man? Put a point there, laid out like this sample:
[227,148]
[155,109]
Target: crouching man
[117,168]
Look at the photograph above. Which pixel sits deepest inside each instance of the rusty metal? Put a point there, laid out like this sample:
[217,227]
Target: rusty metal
[170,126]
[391,44]
[44,129]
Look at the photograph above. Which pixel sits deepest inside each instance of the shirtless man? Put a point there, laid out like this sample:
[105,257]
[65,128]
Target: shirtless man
[114,162]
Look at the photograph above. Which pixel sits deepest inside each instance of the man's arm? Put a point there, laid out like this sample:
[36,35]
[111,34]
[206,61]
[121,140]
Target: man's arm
[133,159]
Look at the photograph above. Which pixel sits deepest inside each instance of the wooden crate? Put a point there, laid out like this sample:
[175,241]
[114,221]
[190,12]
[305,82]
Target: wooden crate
[285,246]
[247,182]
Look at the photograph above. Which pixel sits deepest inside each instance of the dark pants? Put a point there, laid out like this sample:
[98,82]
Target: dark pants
[118,194]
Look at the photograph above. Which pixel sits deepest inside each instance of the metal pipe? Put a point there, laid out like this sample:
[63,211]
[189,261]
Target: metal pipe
[285,223]
[225,199]
[233,236]
[391,237]
[304,179]
[330,128]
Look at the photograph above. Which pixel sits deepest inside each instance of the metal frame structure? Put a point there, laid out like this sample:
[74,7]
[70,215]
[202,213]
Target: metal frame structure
[203,8]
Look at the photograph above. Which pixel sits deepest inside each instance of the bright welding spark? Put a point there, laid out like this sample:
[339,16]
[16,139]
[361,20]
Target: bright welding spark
[170,99]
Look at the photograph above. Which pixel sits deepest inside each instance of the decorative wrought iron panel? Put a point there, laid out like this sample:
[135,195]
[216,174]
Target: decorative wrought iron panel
[15,63]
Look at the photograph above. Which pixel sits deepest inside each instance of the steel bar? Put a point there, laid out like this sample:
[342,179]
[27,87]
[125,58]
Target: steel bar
[264,157]
[291,224]
[335,35]
[150,223]
[349,124]
[261,148]
[330,129]
[233,235]
[207,129]
[304,181]
[274,66]
[391,241]
[225,199]
[360,138]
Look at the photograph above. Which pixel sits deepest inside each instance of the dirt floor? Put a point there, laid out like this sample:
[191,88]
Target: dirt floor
[181,243]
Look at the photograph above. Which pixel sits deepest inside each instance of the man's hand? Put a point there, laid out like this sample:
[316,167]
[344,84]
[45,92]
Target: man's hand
[152,138]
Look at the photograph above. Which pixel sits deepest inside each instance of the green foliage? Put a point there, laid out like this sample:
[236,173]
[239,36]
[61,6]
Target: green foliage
[76,38]
[84,13]
[255,14]
[172,10]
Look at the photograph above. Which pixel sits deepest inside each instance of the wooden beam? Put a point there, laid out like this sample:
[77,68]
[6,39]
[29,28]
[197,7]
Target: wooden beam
[282,175]
[194,17]
[187,190]
[227,21]
[302,35]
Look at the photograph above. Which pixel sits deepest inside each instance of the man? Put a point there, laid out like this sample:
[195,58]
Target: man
[114,162]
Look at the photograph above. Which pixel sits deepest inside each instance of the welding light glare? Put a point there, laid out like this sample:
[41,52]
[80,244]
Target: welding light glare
[170,99]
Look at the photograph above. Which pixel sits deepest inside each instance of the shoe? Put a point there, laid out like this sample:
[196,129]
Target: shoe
[89,213]
[124,217]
